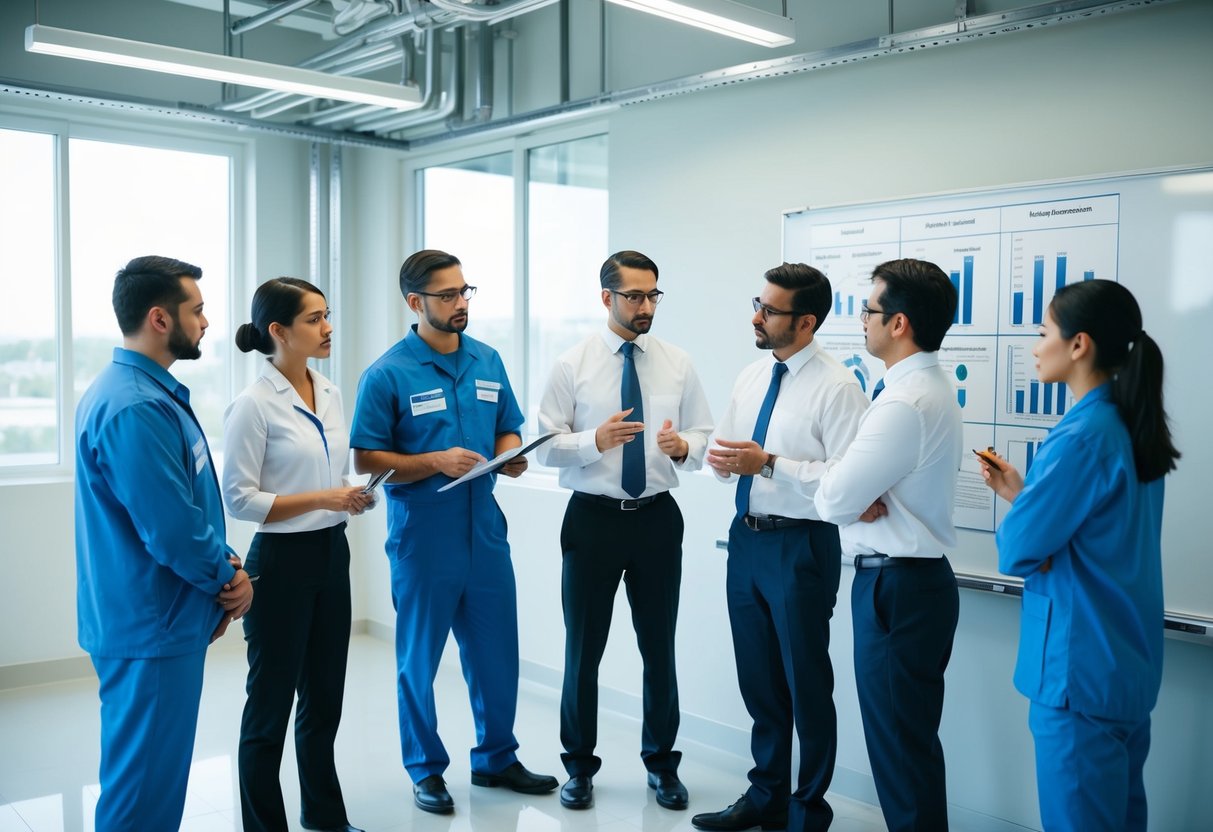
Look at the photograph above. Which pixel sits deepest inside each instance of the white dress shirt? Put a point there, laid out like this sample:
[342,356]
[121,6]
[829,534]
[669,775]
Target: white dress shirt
[583,391]
[815,416]
[907,452]
[272,444]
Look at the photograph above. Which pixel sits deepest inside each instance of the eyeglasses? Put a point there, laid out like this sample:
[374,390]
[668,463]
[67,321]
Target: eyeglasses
[867,312]
[636,298]
[449,297]
[768,311]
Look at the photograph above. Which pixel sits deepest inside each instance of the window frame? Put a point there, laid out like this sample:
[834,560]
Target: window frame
[413,209]
[63,129]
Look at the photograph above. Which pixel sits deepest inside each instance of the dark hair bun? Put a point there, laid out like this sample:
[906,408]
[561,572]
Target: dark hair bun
[248,338]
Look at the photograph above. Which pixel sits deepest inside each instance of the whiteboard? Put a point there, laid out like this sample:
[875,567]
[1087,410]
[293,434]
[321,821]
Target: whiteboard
[1007,251]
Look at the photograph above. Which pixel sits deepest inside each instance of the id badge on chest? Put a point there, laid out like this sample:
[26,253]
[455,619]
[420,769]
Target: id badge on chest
[431,401]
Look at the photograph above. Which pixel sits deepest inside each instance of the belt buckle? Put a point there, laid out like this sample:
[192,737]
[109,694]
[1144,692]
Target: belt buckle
[623,505]
[751,522]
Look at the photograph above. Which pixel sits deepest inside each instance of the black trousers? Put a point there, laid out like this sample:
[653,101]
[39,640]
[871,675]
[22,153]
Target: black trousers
[782,585]
[298,635]
[601,545]
[905,618]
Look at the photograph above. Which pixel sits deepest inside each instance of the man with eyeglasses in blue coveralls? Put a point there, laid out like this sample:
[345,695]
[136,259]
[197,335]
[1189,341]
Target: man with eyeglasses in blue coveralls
[156,582]
[433,406]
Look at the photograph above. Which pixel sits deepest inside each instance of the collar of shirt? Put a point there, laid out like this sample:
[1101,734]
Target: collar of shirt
[1096,394]
[321,386]
[450,363]
[160,375]
[800,358]
[613,340]
[918,361]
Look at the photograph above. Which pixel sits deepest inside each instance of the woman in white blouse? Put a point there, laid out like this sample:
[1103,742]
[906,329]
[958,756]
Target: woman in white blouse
[286,453]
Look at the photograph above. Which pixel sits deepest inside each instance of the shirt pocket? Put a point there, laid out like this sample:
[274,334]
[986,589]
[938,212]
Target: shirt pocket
[661,408]
[1031,665]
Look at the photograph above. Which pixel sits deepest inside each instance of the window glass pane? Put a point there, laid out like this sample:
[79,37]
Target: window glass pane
[566,243]
[128,201]
[28,356]
[469,212]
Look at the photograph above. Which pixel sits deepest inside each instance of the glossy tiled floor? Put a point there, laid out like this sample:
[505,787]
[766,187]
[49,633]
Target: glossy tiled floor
[49,752]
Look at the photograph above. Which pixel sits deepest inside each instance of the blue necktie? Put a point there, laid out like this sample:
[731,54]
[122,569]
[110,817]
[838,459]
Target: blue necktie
[760,434]
[878,389]
[633,452]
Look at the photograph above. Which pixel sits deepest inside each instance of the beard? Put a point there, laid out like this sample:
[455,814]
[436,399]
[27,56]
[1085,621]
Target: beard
[766,341]
[639,324]
[456,323]
[179,344]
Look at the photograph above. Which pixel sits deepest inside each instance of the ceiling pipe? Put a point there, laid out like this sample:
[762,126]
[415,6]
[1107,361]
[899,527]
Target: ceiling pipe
[482,76]
[271,14]
[448,100]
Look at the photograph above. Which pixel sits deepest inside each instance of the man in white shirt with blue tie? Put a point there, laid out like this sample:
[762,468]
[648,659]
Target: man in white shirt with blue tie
[904,601]
[790,416]
[630,410]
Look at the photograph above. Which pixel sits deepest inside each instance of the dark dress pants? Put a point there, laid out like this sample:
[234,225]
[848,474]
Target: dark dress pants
[298,634]
[782,585]
[601,545]
[905,619]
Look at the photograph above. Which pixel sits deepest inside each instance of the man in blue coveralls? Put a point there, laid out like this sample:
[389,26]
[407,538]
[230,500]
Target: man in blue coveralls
[432,407]
[156,582]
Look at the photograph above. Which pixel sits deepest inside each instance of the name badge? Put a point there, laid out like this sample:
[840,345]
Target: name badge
[487,391]
[199,450]
[431,401]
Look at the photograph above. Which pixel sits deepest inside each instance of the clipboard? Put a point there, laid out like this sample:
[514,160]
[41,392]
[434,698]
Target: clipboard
[377,480]
[491,465]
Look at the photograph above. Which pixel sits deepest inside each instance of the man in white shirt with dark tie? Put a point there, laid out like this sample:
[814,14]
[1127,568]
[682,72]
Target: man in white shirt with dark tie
[904,600]
[790,416]
[630,410]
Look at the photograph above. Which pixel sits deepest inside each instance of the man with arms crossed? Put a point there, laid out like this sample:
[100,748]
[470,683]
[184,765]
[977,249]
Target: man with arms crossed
[904,601]
[156,582]
[799,409]
[432,407]
[630,410]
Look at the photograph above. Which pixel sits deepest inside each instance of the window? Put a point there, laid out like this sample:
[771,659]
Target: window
[468,207]
[567,222]
[124,200]
[29,360]
[469,212]
[128,201]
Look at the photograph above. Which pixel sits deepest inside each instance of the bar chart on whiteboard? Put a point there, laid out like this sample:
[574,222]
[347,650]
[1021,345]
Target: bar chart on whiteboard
[1006,261]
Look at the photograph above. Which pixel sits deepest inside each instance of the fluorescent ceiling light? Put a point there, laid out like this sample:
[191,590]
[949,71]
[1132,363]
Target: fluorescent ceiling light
[724,17]
[47,40]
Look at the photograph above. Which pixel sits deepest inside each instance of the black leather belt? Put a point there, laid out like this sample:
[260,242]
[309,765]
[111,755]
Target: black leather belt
[627,504]
[772,521]
[877,561]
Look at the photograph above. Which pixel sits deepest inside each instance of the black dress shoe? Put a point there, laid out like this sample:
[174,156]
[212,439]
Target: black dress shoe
[578,793]
[431,795]
[516,778]
[345,828]
[670,792]
[741,815]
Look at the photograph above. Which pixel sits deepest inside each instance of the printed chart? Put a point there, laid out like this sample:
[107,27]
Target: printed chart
[1006,263]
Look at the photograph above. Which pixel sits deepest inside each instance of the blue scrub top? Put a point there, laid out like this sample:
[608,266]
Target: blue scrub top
[150,534]
[414,400]
[1091,633]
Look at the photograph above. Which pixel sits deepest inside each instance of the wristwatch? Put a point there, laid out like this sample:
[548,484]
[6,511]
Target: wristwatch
[768,467]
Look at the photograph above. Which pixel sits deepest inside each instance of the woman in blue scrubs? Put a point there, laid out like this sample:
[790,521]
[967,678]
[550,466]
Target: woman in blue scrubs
[286,457]
[1084,532]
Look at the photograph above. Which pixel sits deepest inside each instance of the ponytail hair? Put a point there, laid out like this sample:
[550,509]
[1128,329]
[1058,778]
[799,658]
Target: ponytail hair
[277,301]
[1110,316]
